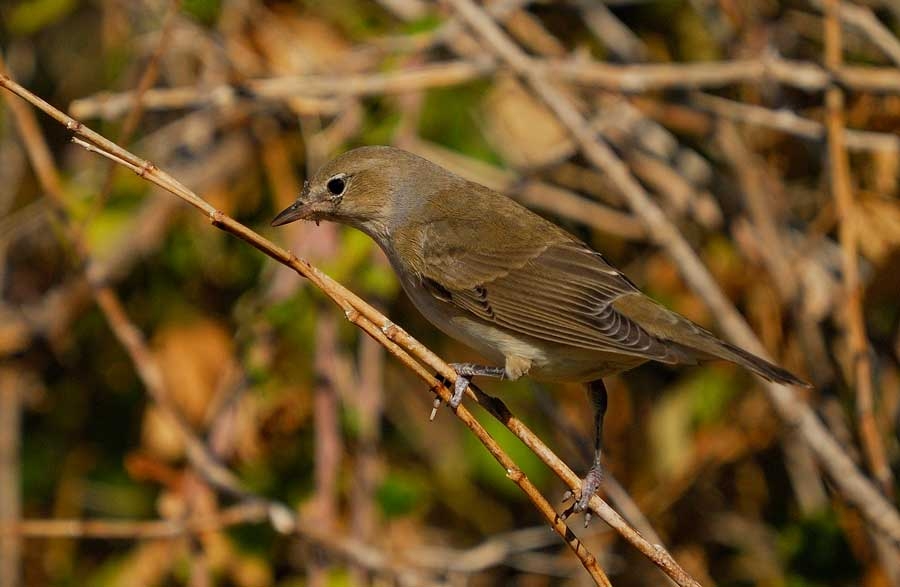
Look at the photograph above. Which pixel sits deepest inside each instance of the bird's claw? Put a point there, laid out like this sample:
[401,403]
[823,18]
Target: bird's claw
[459,390]
[589,486]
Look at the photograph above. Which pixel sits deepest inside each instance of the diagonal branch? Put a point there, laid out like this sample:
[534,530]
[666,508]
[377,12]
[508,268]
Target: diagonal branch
[393,338]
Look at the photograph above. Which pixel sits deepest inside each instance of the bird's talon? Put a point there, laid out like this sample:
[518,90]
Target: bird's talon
[567,496]
[434,408]
[587,519]
[459,390]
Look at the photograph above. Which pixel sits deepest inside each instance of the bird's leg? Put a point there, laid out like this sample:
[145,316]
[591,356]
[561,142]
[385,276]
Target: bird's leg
[591,482]
[465,372]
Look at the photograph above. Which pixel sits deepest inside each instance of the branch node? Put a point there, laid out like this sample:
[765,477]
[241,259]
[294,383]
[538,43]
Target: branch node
[514,474]
[145,168]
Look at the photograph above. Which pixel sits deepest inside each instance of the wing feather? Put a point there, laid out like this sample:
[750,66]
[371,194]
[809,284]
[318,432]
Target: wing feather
[561,292]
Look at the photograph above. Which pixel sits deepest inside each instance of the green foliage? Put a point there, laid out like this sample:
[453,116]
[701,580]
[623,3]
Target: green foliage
[400,492]
[379,125]
[448,118]
[711,390]
[816,552]
[426,24]
[205,11]
[357,18]
[30,16]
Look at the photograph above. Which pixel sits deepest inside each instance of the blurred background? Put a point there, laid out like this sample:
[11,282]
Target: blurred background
[131,331]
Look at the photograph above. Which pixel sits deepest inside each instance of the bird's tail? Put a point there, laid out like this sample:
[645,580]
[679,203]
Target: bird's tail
[758,365]
[690,342]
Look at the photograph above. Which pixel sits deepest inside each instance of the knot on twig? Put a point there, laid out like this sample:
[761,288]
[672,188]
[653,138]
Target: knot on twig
[389,329]
[216,217]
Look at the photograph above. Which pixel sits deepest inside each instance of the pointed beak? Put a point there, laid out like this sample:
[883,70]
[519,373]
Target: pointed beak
[296,211]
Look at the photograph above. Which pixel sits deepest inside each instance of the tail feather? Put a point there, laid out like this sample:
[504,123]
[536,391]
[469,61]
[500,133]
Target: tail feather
[758,365]
[690,342]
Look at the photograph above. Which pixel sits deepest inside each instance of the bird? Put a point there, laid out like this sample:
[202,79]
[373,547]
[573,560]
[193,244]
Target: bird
[527,295]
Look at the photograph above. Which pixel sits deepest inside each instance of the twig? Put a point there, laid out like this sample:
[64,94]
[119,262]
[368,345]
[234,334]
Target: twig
[123,328]
[622,78]
[246,512]
[328,441]
[842,191]
[11,391]
[780,260]
[356,310]
[112,105]
[610,31]
[789,122]
[133,117]
[370,399]
[877,511]
[242,513]
[861,18]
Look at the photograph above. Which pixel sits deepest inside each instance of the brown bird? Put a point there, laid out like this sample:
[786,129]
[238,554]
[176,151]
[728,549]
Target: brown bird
[526,294]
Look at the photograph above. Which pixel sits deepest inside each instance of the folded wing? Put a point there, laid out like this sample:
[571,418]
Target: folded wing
[561,292]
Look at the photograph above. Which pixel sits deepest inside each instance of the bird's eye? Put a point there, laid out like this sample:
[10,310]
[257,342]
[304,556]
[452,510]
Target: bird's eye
[336,185]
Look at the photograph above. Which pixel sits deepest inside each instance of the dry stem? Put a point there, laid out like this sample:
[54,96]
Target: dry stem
[364,316]
[854,321]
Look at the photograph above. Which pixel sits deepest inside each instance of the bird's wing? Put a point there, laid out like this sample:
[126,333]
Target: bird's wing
[559,291]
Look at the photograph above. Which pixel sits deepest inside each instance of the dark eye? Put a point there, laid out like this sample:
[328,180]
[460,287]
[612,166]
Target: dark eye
[336,185]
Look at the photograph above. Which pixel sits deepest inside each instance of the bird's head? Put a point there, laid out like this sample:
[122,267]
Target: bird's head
[369,188]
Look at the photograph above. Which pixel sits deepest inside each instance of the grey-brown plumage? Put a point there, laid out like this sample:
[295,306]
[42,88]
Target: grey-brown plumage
[517,288]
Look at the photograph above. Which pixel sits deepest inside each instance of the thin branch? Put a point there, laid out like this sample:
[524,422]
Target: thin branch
[862,18]
[242,513]
[621,78]
[11,401]
[791,123]
[249,511]
[854,321]
[356,310]
[136,111]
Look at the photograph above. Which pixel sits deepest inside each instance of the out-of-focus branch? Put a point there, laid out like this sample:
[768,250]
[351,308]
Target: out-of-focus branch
[248,511]
[862,18]
[791,123]
[131,338]
[11,396]
[854,321]
[878,512]
[621,78]
[242,513]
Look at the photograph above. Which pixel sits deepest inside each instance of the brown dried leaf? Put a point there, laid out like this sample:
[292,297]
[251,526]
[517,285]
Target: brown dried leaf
[521,129]
[196,359]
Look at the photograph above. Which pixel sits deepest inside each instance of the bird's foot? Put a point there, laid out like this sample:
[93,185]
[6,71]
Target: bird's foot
[459,387]
[589,486]
[464,374]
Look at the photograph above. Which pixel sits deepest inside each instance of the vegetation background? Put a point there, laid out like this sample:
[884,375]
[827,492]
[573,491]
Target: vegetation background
[716,106]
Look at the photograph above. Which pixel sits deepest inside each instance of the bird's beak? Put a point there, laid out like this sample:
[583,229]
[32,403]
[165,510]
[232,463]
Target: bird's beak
[297,211]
